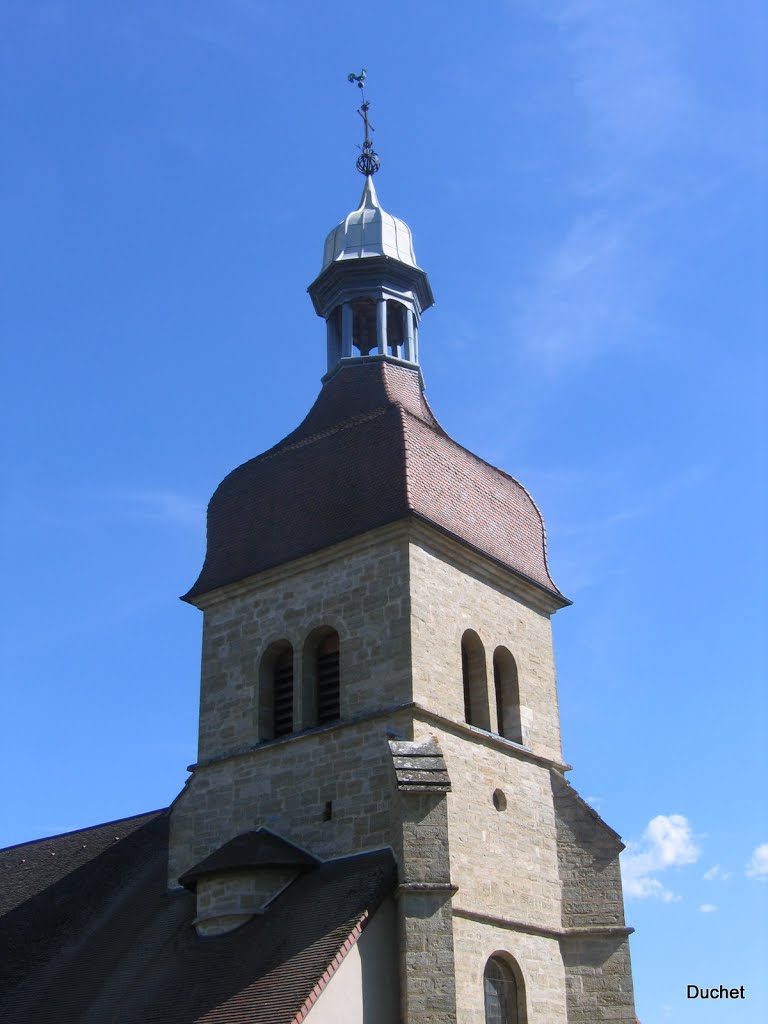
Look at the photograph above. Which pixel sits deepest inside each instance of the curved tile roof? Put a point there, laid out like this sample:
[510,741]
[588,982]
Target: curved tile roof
[368,453]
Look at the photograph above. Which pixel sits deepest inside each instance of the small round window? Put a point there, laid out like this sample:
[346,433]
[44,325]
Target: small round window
[499,800]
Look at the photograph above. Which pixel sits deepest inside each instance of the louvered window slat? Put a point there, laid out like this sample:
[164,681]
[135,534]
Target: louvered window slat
[282,682]
[328,703]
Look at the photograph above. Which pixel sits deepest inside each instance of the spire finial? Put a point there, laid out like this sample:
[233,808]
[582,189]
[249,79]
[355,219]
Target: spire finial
[368,162]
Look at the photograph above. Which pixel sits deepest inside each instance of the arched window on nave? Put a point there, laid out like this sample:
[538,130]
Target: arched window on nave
[504,997]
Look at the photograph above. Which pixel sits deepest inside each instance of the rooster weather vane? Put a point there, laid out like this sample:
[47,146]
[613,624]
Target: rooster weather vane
[368,162]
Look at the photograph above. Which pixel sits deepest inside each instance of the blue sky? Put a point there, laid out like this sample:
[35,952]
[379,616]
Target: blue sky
[583,180]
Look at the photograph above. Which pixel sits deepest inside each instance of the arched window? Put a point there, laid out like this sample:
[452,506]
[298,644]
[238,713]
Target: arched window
[474,681]
[504,1003]
[505,683]
[321,696]
[276,691]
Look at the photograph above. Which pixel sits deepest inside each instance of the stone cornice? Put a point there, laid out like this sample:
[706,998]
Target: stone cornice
[420,712]
[382,534]
[578,932]
[489,739]
[425,888]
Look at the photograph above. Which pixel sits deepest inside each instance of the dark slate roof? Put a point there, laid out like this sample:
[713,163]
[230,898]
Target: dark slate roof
[257,849]
[103,940]
[368,453]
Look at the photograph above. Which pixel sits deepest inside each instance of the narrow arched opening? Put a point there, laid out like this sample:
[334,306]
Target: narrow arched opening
[474,681]
[395,328]
[507,689]
[276,716]
[364,326]
[322,677]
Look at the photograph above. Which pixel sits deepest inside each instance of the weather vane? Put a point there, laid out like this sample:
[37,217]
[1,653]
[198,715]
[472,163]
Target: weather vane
[368,162]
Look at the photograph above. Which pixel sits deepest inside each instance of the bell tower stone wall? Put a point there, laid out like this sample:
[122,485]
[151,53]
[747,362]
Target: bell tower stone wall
[453,590]
[359,589]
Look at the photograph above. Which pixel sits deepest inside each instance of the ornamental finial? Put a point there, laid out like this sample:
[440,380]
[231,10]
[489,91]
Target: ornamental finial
[368,162]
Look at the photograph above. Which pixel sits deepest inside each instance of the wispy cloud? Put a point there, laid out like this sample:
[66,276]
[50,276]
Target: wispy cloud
[643,504]
[628,79]
[78,506]
[707,908]
[590,548]
[716,872]
[626,72]
[667,842]
[162,506]
[579,304]
[758,865]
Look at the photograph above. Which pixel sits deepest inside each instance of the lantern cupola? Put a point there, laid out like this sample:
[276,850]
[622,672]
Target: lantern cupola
[370,290]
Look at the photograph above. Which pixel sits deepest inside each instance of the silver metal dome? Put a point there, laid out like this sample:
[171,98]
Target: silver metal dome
[369,231]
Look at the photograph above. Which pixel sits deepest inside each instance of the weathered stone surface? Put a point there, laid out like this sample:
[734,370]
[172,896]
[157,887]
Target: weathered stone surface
[588,856]
[227,901]
[599,980]
[425,922]
[598,969]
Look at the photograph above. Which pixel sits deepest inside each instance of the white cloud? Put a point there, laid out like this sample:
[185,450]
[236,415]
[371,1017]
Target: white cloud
[667,842]
[671,835]
[707,908]
[758,865]
[716,872]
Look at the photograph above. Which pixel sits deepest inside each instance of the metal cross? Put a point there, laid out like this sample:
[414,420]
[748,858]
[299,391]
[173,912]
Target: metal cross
[368,162]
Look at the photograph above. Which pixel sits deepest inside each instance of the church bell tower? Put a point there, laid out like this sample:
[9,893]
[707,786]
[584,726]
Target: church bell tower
[378,674]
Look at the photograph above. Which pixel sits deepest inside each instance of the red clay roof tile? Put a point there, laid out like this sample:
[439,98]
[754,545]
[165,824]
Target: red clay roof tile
[369,452]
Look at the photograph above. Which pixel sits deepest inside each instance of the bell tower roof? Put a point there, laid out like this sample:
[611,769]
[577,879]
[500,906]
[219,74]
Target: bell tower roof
[369,231]
[369,452]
